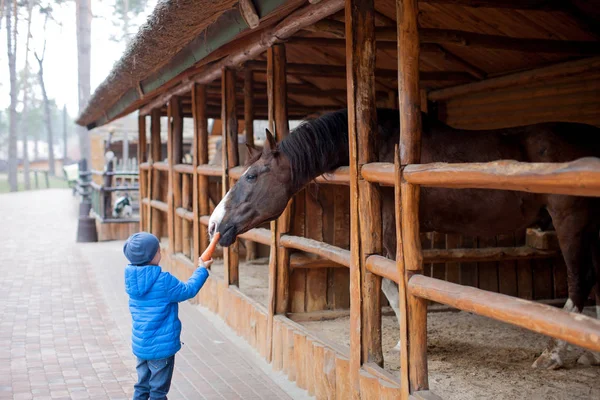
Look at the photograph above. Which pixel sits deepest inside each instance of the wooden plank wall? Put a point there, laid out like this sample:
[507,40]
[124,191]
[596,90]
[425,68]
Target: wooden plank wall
[322,213]
[567,99]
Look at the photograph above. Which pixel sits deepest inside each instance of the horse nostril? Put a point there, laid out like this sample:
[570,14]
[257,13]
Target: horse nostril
[212,228]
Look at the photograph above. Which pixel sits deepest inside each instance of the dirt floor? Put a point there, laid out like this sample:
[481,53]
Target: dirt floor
[470,357]
[254,278]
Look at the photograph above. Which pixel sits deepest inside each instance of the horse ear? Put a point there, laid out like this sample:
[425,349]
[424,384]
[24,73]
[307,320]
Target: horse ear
[253,152]
[270,143]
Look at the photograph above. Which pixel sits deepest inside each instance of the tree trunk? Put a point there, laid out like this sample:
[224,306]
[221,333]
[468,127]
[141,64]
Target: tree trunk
[26,88]
[47,118]
[12,133]
[65,148]
[84,30]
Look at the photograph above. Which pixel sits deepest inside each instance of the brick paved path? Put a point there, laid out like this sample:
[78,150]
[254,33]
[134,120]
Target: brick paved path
[64,326]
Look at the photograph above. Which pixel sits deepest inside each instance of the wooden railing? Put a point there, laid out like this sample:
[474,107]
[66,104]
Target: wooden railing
[103,195]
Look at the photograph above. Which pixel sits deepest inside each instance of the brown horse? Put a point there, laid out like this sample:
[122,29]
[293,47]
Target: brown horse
[321,145]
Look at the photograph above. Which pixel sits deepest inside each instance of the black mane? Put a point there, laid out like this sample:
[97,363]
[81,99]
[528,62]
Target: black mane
[317,146]
[321,145]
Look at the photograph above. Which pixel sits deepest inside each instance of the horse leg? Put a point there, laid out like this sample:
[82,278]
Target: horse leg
[390,288]
[577,234]
[593,357]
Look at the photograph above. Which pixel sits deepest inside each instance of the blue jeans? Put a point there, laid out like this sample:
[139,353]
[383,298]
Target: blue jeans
[154,378]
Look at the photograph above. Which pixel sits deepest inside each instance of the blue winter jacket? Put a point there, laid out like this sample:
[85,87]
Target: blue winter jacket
[153,298]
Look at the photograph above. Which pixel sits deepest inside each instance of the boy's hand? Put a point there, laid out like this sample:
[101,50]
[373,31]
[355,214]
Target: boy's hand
[206,264]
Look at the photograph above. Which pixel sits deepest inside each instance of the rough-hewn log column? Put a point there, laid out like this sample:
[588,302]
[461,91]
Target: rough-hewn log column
[280,256]
[230,159]
[249,126]
[200,157]
[142,156]
[185,224]
[365,213]
[410,153]
[154,186]
[175,156]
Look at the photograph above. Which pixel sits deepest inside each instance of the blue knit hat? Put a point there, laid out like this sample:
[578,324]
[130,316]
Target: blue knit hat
[141,248]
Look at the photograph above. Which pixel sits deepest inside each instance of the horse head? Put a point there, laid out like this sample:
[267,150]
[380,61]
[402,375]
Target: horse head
[260,195]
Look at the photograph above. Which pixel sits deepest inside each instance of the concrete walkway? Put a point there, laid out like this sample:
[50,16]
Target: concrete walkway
[65,326]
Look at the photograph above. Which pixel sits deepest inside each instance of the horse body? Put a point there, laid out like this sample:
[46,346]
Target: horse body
[321,145]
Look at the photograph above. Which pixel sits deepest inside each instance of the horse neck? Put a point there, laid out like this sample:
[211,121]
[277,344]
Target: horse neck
[316,147]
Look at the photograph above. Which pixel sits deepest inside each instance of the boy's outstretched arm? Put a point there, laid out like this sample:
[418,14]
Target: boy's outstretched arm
[180,291]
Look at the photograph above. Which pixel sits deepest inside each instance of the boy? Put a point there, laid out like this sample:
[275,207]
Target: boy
[153,298]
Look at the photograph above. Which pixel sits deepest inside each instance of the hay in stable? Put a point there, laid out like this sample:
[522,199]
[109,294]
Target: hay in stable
[171,26]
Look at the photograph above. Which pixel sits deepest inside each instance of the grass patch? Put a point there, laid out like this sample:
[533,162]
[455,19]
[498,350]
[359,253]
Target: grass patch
[55,183]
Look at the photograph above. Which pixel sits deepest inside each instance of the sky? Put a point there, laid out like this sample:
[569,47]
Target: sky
[60,64]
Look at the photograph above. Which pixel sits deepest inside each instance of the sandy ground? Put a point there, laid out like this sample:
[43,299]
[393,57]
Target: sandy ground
[470,357]
[254,278]
[473,357]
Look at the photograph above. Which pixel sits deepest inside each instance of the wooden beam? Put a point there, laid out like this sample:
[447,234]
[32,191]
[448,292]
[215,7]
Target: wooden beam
[402,275]
[250,49]
[470,68]
[159,205]
[410,153]
[547,5]
[189,216]
[200,157]
[329,26]
[230,159]
[330,252]
[318,42]
[386,40]
[365,212]
[249,106]
[574,328]
[142,156]
[479,40]
[386,268]
[279,262]
[576,178]
[569,68]
[249,13]
[249,127]
[175,182]
[340,71]
[497,42]
[259,235]
[154,175]
[305,261]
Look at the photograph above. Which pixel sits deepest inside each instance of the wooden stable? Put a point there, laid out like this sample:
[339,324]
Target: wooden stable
[299,58]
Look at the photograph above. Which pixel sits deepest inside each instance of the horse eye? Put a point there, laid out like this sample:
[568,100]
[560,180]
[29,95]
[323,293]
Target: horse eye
[250,177]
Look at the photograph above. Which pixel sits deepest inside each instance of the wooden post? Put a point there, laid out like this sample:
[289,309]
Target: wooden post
[249,125]
[279,261]
[365,214]
[108,182]
[410,153]
[142,157]
[230,159]
[185,224]
[200,157]
[156,153]
[174,149]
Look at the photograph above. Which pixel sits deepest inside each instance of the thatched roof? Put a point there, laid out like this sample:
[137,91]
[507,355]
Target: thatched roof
[172,25]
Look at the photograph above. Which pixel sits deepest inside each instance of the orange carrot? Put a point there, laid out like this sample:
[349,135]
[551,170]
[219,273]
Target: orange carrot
[207,255]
